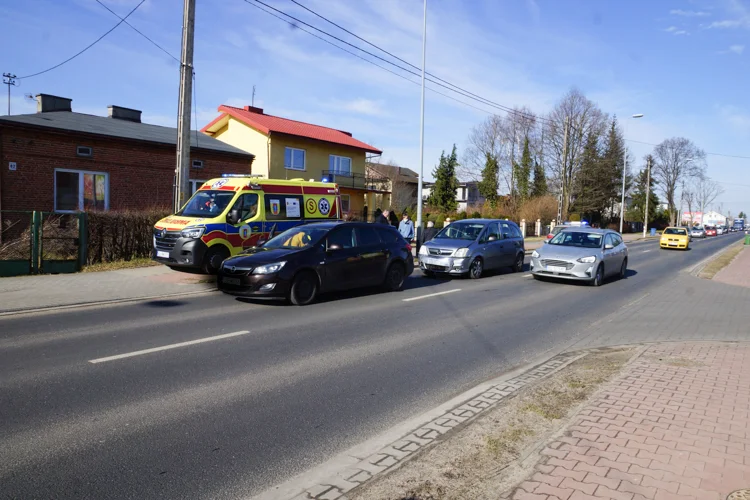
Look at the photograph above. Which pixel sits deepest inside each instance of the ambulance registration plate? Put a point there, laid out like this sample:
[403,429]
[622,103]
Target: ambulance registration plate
[162,255]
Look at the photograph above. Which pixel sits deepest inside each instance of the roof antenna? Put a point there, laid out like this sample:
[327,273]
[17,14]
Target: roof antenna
[253,101]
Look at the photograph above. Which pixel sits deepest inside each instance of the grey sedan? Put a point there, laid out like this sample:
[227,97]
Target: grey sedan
[581,254]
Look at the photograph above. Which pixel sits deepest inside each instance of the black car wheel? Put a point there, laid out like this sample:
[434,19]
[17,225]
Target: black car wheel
[598,277]
[624,268]
[304,289]
[518,265]
[476,269]
[213,259]
[395,277]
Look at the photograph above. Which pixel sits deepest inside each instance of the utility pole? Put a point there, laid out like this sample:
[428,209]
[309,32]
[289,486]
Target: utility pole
[182,171]
[252,102]
[563,171]
[9,79]
[624,170]
[421,131]
[648,194]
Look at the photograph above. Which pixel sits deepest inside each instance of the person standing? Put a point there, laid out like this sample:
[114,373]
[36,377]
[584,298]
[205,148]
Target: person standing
[406,228]
[392,218]
[430,231]
[381,217]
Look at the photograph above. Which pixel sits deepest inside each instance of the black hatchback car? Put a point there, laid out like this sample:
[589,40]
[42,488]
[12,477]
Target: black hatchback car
[306,260]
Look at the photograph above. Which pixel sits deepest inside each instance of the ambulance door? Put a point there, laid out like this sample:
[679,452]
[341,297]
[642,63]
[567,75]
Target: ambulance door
[282,212]
[247,230]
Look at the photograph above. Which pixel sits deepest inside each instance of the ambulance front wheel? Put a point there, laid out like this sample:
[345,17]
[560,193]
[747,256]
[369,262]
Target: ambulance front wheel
[213,259]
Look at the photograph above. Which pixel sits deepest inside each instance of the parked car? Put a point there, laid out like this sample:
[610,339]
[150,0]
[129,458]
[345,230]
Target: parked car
[698,232]
[473,246]
[675,237]
[582,254]
[306,260]
[710,230]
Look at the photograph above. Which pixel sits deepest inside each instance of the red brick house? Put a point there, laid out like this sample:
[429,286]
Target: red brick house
[62,161]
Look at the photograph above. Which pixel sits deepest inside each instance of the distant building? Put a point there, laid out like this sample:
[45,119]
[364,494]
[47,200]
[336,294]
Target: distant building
[402,183]
[467,194]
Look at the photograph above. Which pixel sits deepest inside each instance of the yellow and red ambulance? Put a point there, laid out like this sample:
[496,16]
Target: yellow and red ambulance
[234,212]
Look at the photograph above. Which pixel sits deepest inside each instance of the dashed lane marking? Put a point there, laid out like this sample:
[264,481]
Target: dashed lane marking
[432,295]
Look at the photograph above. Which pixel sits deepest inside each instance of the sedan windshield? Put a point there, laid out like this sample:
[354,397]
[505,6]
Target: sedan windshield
[675,230]
[207,203]
[297,237]
[461,231]
[577,239]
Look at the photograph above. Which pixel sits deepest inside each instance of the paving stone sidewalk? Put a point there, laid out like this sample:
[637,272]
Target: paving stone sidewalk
[674,425]
[738,271]
[34,292]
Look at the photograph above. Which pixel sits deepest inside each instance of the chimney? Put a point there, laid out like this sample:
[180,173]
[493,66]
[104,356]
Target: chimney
[127,114]
[46,103]
[253,109]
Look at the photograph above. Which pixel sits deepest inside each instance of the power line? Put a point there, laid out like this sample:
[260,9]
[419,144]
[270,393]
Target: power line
[712,154]
[137,31]
[122,20]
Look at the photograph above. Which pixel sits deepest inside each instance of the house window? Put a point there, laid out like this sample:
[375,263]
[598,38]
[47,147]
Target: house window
[294,158]
[78,190]
[194,186]
[340,164]
[345,203]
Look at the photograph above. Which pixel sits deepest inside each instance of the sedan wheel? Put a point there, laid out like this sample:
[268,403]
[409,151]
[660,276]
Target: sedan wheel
[394,277]
[476,269]
[624,269]
[304,289]
[518,266]
[598,277]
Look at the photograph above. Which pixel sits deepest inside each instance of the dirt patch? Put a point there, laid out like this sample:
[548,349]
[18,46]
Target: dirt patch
[720,262]
[492,454]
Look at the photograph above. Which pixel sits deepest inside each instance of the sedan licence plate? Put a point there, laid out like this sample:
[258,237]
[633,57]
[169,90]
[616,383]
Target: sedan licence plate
[230,281]
[162,255]
[556,269]
[436,261]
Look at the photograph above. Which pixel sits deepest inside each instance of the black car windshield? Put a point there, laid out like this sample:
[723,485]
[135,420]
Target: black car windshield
[577,239]
[297,237]
[675,230]
[208,203]
[461,231]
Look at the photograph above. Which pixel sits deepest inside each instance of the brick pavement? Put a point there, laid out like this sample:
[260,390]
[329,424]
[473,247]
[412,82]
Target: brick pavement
[674,425]
[737,272]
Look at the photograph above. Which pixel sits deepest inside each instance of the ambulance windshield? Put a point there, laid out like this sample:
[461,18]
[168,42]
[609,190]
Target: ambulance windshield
[207,203]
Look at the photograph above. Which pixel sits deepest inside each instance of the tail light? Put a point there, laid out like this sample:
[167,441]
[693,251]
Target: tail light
[408,248]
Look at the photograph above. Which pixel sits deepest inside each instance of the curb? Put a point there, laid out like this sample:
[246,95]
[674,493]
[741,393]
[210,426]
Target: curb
[698,268]
[80,305]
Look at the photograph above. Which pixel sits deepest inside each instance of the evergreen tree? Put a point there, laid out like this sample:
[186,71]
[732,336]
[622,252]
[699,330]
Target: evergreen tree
[489,184]
[444,191]
[539,187]
[741,215]
[523,172]
[611,170]
[589,194]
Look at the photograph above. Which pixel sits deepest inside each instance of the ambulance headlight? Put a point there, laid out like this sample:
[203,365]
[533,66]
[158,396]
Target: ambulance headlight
[192,232]
[269,268]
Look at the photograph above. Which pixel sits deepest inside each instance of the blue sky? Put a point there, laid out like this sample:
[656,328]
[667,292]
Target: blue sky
[683,63]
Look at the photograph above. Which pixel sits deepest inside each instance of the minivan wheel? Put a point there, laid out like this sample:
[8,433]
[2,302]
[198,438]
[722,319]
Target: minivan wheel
[598,277]
[213,259]
[624,268]
[304,289]
[395,277]
[476,269]
[518,265]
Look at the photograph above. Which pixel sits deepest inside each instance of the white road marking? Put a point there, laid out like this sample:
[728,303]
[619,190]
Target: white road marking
[167,347]
[432,295]
[645,251]
[528,275]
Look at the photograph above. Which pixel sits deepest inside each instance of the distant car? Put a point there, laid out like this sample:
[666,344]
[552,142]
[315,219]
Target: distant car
[582,254]
[567,225]
[698,232]
[719,230]
[675,237]
[304,261]
[472,246]
[710,230]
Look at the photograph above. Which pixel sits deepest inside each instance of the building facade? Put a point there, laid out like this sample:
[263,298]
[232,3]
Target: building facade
[467,194]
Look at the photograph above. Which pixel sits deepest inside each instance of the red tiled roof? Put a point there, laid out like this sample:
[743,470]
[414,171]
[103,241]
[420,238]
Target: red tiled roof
[267,123]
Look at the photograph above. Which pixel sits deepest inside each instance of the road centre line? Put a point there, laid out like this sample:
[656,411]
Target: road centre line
[432,295]
[167,347]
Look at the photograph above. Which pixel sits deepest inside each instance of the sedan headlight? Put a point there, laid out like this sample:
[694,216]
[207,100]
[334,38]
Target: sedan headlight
[192,232]
[423,250]
[587,260]
[461,252]
[535,254]
[269,268]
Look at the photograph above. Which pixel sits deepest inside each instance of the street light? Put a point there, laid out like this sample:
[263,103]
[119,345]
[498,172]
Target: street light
[624,169]
[421,129]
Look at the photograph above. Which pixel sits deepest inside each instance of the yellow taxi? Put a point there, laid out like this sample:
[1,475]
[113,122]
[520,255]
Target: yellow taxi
[227,215]
[675,237]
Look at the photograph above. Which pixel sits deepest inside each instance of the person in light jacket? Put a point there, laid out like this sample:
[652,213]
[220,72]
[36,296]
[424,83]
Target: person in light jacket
[406,228]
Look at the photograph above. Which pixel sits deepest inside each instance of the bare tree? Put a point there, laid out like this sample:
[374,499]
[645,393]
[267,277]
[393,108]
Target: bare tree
[706,191]
[689,197]
[676,161]
[485,138]
[563,155]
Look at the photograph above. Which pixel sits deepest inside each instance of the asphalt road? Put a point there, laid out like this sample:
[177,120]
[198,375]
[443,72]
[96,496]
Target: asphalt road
[230,417]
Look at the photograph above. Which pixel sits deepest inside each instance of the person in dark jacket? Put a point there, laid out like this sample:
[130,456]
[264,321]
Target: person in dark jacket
[429,232]
[392,219]
[381,217]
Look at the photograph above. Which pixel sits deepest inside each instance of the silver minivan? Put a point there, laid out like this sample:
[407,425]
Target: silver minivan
[473,246]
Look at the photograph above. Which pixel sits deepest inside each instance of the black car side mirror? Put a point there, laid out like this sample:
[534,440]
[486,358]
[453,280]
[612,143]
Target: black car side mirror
[334,247]
[233,217]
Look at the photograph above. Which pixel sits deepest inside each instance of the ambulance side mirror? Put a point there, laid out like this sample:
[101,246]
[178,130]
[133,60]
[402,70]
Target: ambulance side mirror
[233,217]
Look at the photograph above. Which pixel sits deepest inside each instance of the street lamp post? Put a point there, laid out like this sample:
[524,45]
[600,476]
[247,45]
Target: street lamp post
[624,169]
[421,130]
[648,194]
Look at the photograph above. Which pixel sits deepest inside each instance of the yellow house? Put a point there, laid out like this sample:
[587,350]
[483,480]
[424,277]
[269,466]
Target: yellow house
[288,149]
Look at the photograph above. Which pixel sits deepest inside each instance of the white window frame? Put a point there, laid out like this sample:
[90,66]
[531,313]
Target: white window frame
[195,185]
[80,188]
[293,167]
[337,164]
[348,203]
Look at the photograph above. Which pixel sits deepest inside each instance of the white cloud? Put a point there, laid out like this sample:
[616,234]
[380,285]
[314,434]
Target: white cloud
[363,106]
[689,13]
[671,29]
[737,49]
[730,24]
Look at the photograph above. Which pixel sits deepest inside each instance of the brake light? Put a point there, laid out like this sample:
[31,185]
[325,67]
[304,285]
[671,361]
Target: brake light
[408,248]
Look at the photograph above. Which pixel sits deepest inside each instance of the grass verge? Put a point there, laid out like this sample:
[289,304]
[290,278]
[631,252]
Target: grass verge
[720,262]
[489,455]
[120,264]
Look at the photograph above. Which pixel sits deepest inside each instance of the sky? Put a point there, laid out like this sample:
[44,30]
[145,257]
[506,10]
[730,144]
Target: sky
[682,63]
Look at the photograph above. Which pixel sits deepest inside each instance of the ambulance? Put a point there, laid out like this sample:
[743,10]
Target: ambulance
[235,212]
